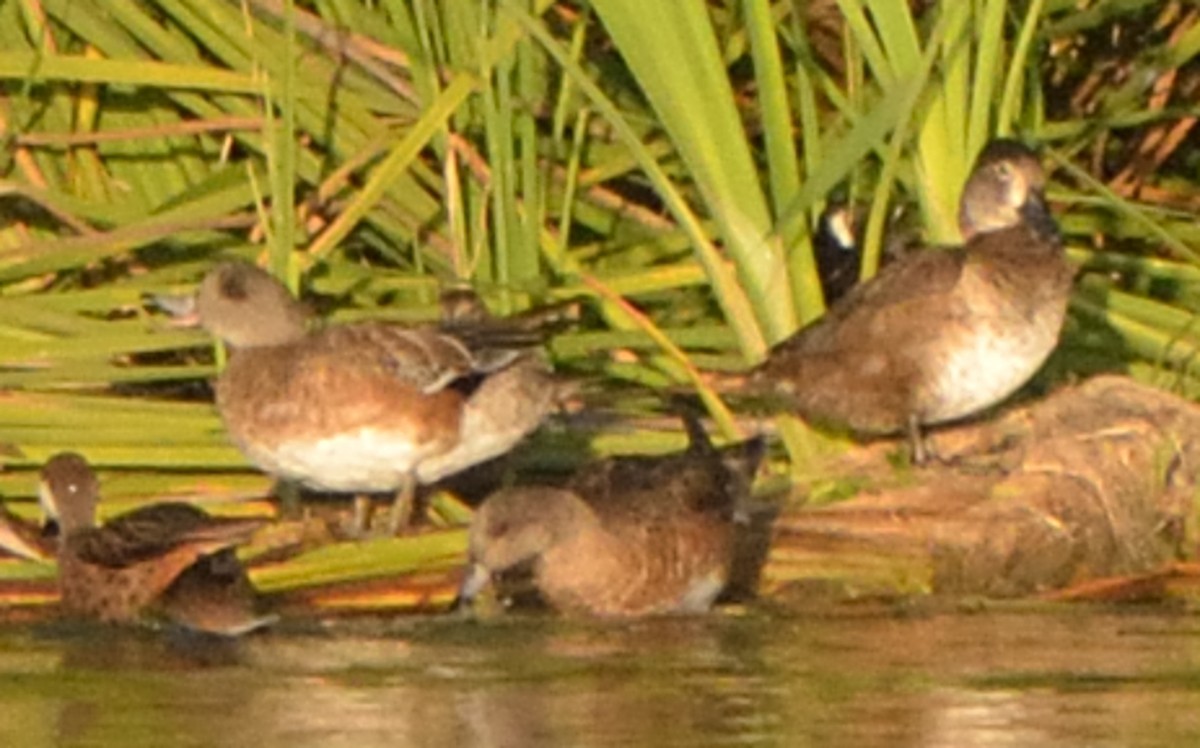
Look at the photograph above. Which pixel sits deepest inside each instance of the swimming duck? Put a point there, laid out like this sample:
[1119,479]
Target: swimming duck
[158,558]
[625,537]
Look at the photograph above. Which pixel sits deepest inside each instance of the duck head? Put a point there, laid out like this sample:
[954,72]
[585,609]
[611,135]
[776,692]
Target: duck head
[1005,189]
[246,307]
[68,492]
[517,525]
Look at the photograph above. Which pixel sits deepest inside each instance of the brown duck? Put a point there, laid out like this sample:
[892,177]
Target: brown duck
[364,407]
[625,537]
[170,558]
[938,335]
[214,596]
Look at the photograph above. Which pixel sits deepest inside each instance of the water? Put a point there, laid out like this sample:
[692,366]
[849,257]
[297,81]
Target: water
[1077,678]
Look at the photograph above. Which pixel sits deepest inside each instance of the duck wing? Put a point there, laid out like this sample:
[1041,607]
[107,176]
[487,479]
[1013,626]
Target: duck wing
[425,358]
[153,531]
[864,316]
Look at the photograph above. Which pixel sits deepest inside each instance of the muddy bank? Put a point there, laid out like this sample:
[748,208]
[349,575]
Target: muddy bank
[1096,481]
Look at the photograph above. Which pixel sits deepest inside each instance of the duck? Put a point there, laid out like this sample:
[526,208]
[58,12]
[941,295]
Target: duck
[625,537]
[24,539]
[365,407]
[214,596]
[169,560]
[938,335]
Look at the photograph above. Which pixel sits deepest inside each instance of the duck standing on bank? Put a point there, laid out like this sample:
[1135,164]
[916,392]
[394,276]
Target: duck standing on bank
[938,335]
[625,537]
[365,407]
[169,559]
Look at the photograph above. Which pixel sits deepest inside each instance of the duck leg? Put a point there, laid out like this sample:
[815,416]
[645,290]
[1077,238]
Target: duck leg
[360,523]
[288,493]
[403,513]
[922,452]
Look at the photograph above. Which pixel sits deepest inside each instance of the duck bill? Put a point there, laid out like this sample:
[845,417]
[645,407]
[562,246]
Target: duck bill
[180,308]
[1037,214]
[47,503]
[477,577]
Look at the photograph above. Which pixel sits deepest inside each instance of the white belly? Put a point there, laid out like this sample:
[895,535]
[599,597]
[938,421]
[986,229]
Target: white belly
[991,368]
[364,460]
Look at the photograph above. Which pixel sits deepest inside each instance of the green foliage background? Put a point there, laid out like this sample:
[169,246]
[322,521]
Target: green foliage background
[664,163]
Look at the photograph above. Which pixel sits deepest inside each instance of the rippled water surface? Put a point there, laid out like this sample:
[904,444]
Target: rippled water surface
[1069,679]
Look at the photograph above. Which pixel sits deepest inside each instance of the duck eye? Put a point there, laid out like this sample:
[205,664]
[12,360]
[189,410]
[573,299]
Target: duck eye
[233,286]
